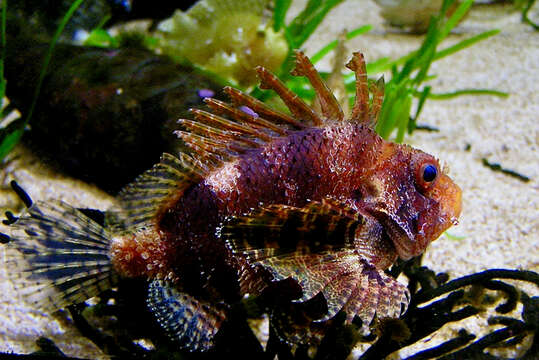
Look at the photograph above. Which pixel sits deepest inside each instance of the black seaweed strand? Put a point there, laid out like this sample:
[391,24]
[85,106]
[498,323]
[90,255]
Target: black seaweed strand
[23,195]
[497,167]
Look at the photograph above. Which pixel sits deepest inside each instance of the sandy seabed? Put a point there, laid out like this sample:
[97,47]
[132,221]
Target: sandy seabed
[499,225]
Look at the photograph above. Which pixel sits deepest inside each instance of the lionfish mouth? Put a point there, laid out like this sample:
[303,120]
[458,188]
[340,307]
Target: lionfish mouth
[400,233]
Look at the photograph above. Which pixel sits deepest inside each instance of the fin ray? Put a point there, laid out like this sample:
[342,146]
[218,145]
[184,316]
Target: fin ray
[360,111]
[191,322]
[57,256]
[143,201]
[296,106]
[241,99]
[331,110]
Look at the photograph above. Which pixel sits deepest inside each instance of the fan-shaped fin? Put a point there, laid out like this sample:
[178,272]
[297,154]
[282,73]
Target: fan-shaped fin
[371,296]
[356,299]
[297,107]
[375,293]
[317,246]
[281,229]
[143,201]
[337,292]
[331,110]
[57,256]
[191,322]
[395,298]
[312,272]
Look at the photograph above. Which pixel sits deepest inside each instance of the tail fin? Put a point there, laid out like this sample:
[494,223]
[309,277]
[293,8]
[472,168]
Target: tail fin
[57,256]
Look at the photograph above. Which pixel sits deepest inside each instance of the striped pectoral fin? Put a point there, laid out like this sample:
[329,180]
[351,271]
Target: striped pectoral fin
[291,242]
[58,256]
[308,244]
[326,247]
[375,294]
[190,322]
[313,272]
[281,229]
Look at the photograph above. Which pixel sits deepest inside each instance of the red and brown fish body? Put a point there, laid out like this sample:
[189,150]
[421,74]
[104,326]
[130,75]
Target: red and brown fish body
[307,165]
[349,162]
[263,200]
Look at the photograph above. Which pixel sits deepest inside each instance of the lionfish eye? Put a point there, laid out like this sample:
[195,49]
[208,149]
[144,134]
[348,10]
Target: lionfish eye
[429,173]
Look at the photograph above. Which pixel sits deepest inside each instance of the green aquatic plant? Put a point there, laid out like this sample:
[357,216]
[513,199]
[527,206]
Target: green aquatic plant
[301,27]
[100,37]
[229,38]
[525,6]
[10,135]
[406,80]
[408,73]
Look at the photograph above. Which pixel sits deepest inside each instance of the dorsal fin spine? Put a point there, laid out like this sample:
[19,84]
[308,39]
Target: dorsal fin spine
[203,145]
[331,110]
[239,98]
[294,103]
[378,90]
[216,133]
[360,111]
[223,123]
[223,108]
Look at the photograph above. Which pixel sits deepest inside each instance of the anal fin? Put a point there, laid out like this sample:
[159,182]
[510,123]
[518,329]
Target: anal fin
[190,322]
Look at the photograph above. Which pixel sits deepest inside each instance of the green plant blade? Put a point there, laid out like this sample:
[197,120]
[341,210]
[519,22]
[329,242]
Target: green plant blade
[453,94]
[333,44]
[465,43]
[279,13]
[10,136]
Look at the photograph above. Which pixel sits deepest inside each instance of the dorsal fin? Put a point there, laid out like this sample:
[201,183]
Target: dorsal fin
[241,99]
[331,110]
[248,124]
[294,103]
[361,112]
[143,201]
[222,108]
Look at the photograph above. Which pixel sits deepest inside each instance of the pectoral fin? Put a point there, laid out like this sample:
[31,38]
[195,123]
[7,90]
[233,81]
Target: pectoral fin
[320,247]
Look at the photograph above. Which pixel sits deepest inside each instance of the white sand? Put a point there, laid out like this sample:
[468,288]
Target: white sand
[499,222]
